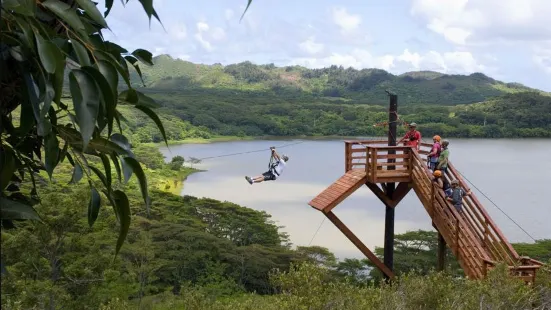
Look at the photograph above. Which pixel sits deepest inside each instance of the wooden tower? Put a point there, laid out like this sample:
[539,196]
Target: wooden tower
[390,172]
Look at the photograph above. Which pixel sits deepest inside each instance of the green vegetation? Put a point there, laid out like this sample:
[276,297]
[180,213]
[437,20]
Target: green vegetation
[46,45]
[364,86]
[194,253]
[247,100]
[222,112]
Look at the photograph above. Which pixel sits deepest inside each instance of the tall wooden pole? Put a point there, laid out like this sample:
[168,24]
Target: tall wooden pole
[390,187]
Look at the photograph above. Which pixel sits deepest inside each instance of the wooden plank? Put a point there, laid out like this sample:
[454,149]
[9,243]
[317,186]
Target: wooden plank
[359,244]
[339,190]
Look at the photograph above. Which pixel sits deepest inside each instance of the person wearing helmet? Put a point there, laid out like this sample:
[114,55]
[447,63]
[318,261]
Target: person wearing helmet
[457,194]
[412,137]
[434,154]
[441,182]
[443,158]
[275,169]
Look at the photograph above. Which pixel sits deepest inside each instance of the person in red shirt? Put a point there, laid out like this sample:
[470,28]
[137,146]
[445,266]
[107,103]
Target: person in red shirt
[412,137]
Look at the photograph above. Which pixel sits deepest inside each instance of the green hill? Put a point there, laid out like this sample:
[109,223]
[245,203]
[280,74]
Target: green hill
[366,85]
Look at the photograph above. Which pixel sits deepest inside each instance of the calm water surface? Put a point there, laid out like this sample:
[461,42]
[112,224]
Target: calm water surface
[515,174]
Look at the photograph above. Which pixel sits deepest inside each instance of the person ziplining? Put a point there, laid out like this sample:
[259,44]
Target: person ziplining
[275,167]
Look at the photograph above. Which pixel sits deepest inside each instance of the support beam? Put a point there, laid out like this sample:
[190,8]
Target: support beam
[359,244]
[441,253]
[400,192]
[390,187]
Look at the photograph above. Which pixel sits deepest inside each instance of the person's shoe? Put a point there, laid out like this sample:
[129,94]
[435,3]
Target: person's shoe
[249,180]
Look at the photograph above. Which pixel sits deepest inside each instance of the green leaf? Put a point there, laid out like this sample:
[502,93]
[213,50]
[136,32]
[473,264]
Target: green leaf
[93,206]
[149,10]
[108,6]
[126,170]
[66,14]
[77,174]
[248,4]
[130,95]
[49,95]
[7,161]
[107,147]
[86,99]
[123,211]
[108,99]
[110,74]
[123,142]
[91,10]
[100,175]
[23,7]
[27,30]
[112,77]
[115,161]
[155,118]
[17,210]
[59,80]
[51,150]
[107,168]
[115,63]
[82,53]
[144,56]
[134,62]
[138,171]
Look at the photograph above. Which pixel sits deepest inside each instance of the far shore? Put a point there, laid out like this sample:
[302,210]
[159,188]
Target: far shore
[289,138]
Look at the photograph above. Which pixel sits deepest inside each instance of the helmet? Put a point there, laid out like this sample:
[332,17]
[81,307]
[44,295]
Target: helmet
[437,173]
[437,138]
[285,157]
[413,125]
[455,182]
[445,142]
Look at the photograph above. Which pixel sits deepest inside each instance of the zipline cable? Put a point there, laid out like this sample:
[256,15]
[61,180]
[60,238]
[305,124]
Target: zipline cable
[277,147]
[491,201]
[398,121]
[255,151]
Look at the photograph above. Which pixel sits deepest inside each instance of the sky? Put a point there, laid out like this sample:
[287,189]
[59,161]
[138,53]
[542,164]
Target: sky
[509,40]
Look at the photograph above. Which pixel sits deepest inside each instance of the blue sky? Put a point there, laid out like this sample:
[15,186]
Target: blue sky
[509,40]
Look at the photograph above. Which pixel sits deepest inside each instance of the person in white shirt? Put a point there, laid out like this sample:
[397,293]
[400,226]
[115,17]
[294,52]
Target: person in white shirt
[275,169]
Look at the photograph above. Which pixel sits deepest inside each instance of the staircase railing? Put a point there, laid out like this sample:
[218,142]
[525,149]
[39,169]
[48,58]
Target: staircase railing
[455,228]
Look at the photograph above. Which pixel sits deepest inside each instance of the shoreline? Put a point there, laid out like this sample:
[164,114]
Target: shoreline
[310,138]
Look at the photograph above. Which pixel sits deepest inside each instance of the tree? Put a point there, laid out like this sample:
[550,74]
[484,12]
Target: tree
[46,45]
[44,42]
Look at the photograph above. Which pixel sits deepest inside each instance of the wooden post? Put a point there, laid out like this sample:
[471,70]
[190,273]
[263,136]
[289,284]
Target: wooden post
[390,187]
[441,253]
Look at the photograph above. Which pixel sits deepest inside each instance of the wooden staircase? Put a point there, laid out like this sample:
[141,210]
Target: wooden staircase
[472,235]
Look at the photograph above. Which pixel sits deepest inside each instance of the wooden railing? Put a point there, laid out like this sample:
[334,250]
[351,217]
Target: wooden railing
[382,163]
[496,247]
[472,235]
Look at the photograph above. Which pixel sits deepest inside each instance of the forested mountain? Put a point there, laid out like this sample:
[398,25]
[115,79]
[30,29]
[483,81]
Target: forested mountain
[366,85]
[261,100]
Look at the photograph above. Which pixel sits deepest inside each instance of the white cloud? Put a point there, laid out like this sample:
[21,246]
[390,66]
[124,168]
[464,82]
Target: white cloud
[542,58]
[484,21]
[228,13]
[202,27]
[347,22]
[178,31]
[310,46]
[448,62]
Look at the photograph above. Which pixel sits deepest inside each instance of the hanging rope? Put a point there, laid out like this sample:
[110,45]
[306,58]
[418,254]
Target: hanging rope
[315,234]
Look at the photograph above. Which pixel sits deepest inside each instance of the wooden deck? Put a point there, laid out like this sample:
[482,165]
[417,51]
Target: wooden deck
[472,235]
[339,190]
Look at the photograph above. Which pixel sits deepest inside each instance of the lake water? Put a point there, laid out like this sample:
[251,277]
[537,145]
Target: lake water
[515,174]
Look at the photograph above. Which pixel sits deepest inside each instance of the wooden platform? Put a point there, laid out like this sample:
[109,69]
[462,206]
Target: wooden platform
[339,190]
